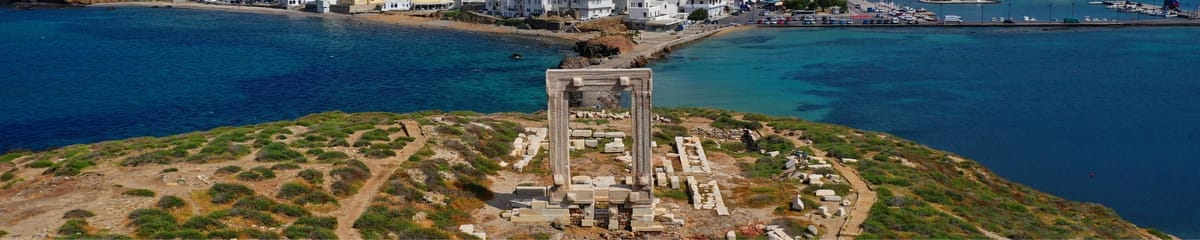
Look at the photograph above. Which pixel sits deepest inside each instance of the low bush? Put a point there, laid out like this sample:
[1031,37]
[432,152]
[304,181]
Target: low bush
[228,170]
[259,234]
[150,221]
[78,213]
[257,174]
[223,234]
[203,223]
[139,193]
[7,176]
[74,227]
[276,151]
[180,234]
[41,163]
[290,190]
[170,202]
[375,135]
[227,192]
[308,232]
[285,166]
[257,202]
[674,194]
[776,143]
[312,176]
[765,167]
[332,156]
[323,222]
[377,152]
[169,170]
[290,210]
[315,197]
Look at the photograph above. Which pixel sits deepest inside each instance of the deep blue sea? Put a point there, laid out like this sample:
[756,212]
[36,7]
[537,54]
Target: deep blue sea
[1043,108]
[85,75]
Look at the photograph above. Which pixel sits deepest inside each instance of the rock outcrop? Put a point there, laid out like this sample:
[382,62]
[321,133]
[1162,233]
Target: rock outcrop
[604,46]
[573,63]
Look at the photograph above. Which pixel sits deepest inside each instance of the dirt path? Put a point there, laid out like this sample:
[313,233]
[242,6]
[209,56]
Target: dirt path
[862,206]
[356,205]
[858,212]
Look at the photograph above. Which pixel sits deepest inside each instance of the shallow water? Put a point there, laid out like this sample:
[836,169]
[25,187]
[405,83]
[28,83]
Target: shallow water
[1043,108]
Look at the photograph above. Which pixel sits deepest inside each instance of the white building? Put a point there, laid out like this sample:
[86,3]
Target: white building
[584,9]
[654,15]
[716,8]
[290,4]
[396,5]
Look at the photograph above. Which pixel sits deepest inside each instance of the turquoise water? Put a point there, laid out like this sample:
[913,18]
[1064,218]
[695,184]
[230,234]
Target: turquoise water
[1043,10]
[1043,108]
[86,75]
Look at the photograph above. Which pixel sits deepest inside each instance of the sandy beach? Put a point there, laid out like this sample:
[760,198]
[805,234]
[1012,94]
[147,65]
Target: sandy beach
[404,19]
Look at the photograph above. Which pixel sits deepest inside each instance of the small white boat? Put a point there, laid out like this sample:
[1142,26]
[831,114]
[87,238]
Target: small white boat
[1095,3]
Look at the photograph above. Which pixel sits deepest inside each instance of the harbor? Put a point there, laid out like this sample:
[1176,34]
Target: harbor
[891,14]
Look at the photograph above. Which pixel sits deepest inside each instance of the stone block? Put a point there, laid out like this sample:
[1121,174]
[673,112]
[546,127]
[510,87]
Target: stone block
[591,143]
[849,160]
[531,191]
[581,133]
[841,212]
[825,192]
[675,183]
[614,147]
[616,134]
[661,179]
[467,228]
[599,134]
[832,198]
[730,235]
[791,164]
[578,144]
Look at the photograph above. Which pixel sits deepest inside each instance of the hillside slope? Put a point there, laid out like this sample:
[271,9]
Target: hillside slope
[422,175]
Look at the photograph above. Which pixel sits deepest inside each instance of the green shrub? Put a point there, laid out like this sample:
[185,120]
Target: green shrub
[322,222]
[257,202]
[226,192]
[7,176]
[776,143]
[151,221]
[339,142]
[675,194]
[139,193]
[73,227]
[258,234]
[765,167]
[228,170]
[203,223]
[169,170]
[308,232]
[257,174]
[344,188]
[8,157]
[276,151]
[159,157]
[377,153]
[315,197]
[375,135]
[312,176]
[180,234]
[259,217]
[290,210]
[332,156]
[78,213]
[726,122]
[285,166]
[170,202]
[290,190]
[40,163]
[223,234]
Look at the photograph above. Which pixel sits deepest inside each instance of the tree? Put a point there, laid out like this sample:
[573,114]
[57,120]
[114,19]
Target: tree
[698,15]
[796,4]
